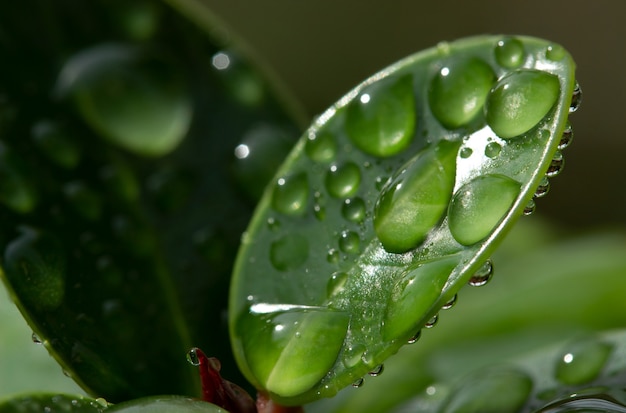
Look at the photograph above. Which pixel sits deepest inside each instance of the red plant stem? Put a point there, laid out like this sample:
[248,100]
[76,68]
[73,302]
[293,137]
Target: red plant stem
[266,405]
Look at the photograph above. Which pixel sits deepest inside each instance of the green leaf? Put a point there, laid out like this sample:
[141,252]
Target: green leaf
[115,243]
[165,404]
[52,403]
[386,207]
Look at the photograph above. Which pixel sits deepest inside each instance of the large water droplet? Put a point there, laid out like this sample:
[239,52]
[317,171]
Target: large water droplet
[483,275]
[35,265]
[520,100]
[555,52]
[577,98]
[510,53]
[414,295]
[17,190]
[491,391]
[458,92]
[478,206]
[598,401]
[55,144]
[321,147]
[583,361]
[342,181]
[291,194]
[135,100]
[381,120]
[353,209]
[283,352]
[415,199]
[289,252]
[492,150]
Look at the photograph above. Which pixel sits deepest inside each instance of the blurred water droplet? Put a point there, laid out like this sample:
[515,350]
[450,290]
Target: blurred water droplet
[84,200]
[291,194]
[530,207]
[577,98]
[55,144]
[336,283]
[510,53]
[465,152]
[342,181]
[582,361]
[350,242]
[378,370]
[17,189]
[289,252]
[601,401]
[332,256]
[319,211]
[353,209]
[358,383]
[432,322]
[555,52]
[193,358]
[273,224]
[415,337]
[483,275]
[36,338]
[321,147]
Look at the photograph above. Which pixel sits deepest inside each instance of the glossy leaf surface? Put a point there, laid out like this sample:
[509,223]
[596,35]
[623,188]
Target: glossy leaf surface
[387,207]
[118,250]
[165,404]
[52,403]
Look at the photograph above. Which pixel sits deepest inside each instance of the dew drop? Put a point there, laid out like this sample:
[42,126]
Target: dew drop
[358,383]
[510,53]
[577,98]
[381,120]
[193,358]
[55,144]
[342,181]
[520,100]
[84,200]
[432,321]
[543,188]
[601,401]
[36,339]
[450,303]
[336,283]
[583,361]
[273,224]
[291,194]
[567,137]
[135,100]
[483,275]
[35,266]
[465,152]
[378,370]
[353,209]
[556,165]
[289,252]
[492,150]
[319,211]
[353,355]
[414,295]
[415,338]
[530,208]
[493,390]
[332,256]
[555,52]
[416,198]
[321,147]
[458,92]
[350,242]
[479,206]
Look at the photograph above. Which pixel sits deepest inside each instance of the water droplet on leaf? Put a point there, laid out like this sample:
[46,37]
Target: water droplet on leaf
[583,361]
[483,275]
[342,181]
[291,194]
[321,147]
[510,53]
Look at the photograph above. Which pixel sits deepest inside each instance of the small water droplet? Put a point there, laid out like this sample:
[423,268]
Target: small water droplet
[289,252]
[510,53]
[556,166]
[350,242]
[520,100]
[458,92]
[577,98]
[466,152]
[492,150]
[319,211]
[483,275]
[555,52]
[193,358]
[432,322]
[342,181]
[567,137]
[378,370]
[336,283]
[450,303]
[583,361]
[353,355]
[321,147]
[353,209]
[415,338]
[543,188]
[530,208]
[332,256]
[381,181]
[291,194]
[358,383]
[479,206]
[381,120]
[36,338]
[273,224]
